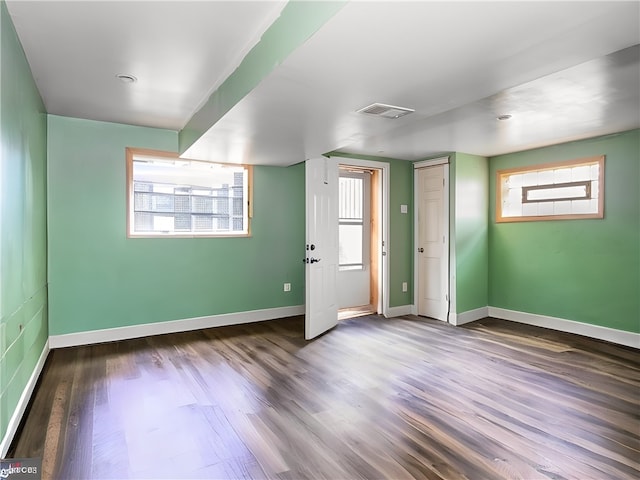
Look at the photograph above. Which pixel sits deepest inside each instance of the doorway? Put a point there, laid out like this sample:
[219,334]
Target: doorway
[321,250]
[361,244]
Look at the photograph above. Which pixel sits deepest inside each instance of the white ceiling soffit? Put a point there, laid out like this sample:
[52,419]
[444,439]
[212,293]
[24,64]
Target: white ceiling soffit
[179,51]
[459,65]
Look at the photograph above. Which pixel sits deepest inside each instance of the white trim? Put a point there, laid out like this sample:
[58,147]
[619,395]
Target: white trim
[399,311]
[173,326]
[431,162]
[469,316]
[620,337]
[453,292]
[16,418]
[385,168]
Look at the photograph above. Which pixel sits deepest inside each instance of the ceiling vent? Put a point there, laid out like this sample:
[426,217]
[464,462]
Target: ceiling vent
[386,111]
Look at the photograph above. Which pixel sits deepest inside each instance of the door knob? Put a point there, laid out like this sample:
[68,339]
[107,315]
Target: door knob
[421,250]
[314,260]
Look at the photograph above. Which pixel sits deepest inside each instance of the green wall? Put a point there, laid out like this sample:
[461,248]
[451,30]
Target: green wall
[100,279]
[582,270]
[469,190]
[400,249]
[23,227]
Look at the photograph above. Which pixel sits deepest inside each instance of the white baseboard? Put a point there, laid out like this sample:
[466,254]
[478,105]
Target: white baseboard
[469,316]
[620,337]
[14,422]
[399,311]
[173,326]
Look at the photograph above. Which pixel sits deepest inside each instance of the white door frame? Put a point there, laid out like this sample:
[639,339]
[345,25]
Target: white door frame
[354,285]
[448,233]
[383,257]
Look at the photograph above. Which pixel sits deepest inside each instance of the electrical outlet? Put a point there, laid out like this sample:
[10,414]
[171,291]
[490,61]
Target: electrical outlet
[287,287]
[404,286]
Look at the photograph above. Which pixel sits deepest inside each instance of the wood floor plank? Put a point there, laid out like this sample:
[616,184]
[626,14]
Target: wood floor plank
[373,398]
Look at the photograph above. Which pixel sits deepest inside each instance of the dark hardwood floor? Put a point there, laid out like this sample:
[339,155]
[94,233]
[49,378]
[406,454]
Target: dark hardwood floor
[373,399]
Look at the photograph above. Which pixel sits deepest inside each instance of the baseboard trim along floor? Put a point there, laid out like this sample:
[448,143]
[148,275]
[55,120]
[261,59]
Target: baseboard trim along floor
[621,337]
[16,418]
[173,326]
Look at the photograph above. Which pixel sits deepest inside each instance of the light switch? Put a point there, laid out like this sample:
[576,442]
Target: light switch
[403,209]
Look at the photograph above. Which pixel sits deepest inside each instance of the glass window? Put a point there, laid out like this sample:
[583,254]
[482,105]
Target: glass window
[555,191]
[170,196]
[351,222]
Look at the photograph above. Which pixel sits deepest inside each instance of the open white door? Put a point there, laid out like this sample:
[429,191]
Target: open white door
[321,254]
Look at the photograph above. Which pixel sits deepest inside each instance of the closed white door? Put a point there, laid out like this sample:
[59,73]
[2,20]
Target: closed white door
[432,248]
[321,249]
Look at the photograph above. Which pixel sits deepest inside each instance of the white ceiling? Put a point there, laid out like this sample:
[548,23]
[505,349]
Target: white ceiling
[180,51]
[563,70]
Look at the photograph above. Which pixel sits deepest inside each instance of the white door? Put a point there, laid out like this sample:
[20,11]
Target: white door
[321,250]
[433,258]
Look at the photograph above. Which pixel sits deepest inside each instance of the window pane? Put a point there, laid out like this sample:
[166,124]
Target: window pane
[144,222]
[183,223]
[583,172]
[350,198]
[162,224]
[350,249]
[575,191]
[562,208]
[514,181]
[581,206]
[530,209]
[182,203]
[530,178]
[545,177]
[237,206]
[545,208]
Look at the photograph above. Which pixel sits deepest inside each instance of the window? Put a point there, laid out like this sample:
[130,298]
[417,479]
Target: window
[351,221]
[554,191]
[170,196]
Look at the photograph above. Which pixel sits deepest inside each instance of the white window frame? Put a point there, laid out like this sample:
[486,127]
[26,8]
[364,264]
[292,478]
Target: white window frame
[134,153]
[365,236]
[594,191]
